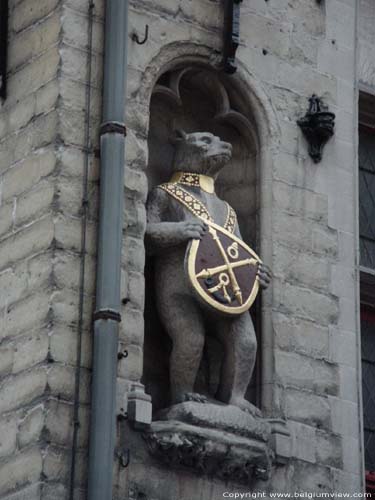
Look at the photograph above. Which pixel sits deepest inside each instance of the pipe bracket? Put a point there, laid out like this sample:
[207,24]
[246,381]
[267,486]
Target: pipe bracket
[122,415]
[112,128]
[107,314]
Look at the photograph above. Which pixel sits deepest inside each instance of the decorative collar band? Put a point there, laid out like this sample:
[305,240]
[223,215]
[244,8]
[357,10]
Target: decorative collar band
[204,182]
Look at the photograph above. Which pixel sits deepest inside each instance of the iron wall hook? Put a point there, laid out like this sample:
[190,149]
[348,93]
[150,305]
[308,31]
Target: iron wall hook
[124,458]
[136,39]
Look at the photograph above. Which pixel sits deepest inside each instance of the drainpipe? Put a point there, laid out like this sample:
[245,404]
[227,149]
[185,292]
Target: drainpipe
[107,314]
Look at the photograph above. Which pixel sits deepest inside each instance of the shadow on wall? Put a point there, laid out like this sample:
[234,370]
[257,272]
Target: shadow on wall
[199,99]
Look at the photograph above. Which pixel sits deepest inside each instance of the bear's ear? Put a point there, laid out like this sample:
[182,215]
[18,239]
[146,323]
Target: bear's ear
[178,136]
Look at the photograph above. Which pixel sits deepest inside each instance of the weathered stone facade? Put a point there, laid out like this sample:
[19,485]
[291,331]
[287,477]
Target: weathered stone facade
[307,223]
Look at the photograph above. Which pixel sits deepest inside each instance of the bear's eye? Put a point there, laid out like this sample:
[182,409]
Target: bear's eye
[206,139]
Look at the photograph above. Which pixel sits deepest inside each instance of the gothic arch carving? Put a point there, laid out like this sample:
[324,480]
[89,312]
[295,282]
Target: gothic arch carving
[224,107]
[248,90]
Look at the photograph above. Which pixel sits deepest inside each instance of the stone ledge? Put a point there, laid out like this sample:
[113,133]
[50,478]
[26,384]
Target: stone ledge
[218,440]
[209,451]
[218,416]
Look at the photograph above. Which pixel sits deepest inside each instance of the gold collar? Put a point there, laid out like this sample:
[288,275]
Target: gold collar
[205,182]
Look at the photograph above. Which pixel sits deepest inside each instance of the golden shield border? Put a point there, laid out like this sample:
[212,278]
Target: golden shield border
[190,259]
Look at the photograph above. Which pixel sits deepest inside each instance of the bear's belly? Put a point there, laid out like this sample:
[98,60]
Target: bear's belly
[170,276]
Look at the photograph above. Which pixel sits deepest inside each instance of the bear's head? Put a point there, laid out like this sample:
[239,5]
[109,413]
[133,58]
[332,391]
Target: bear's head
[200,153]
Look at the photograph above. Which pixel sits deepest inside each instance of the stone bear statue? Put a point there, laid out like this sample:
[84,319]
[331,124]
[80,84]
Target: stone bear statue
[170,227]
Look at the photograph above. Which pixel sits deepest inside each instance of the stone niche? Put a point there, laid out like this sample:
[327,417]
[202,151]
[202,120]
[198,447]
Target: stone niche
[211,438]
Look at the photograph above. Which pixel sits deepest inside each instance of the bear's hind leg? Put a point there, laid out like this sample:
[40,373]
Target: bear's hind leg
[184,323]
[240,346]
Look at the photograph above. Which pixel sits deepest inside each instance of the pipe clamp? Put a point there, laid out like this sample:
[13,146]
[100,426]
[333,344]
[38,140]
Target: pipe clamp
[107,314]
[113,128]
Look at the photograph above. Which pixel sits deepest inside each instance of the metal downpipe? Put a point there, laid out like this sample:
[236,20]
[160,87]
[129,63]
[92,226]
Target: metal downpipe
[108,299]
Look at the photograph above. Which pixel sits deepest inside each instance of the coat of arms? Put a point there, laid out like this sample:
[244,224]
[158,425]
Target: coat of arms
[223,270]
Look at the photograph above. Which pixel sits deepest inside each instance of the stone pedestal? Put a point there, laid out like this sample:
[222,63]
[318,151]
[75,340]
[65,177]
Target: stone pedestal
[281,441]
[215,440]
[139,406]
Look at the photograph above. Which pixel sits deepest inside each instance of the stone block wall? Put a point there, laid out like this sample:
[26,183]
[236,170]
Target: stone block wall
[288,50]
[42,159]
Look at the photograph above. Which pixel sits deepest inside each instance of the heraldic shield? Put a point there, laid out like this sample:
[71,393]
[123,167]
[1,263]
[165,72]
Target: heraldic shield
[222,270]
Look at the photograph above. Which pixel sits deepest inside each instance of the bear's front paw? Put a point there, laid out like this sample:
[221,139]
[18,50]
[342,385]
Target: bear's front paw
[264,275]
[192,230]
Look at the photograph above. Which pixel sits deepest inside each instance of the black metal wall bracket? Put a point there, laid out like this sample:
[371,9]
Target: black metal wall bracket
[317,126]
[231,34]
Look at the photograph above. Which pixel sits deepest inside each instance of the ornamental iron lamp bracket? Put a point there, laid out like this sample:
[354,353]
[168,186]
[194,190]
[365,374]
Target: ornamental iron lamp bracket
[317,127]
[231,34]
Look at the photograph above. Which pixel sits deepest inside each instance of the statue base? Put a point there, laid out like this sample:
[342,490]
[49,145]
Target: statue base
[214,440]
